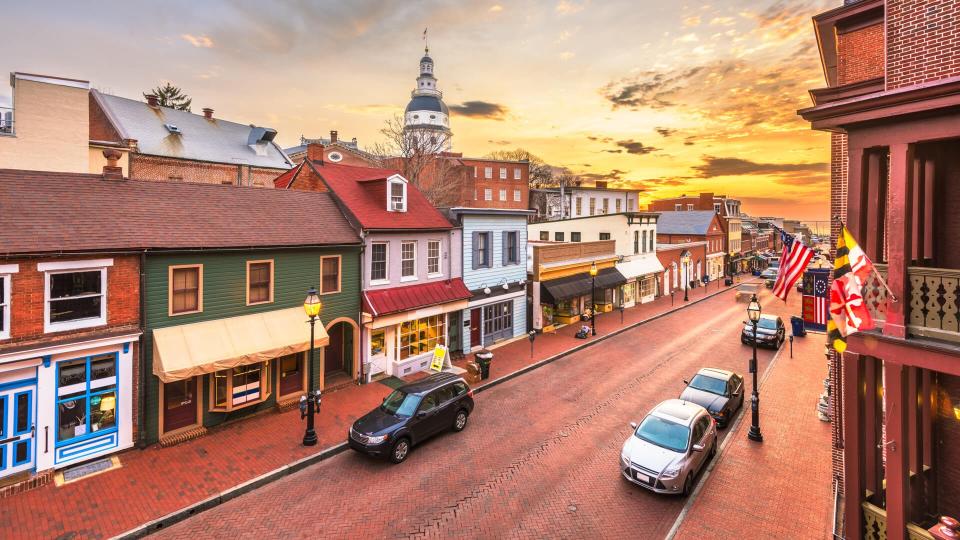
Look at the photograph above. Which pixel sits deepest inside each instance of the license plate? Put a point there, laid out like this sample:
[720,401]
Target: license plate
[641,477]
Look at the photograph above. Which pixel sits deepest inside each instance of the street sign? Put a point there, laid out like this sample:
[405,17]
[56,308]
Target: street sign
[439,354]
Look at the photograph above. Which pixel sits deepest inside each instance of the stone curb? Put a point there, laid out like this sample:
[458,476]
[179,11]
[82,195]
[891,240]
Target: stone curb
[177,516]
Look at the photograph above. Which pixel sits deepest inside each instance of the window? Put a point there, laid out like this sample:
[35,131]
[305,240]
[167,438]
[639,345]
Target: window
[516,195]
[259,282]
[644,246]
[488,172]
[474,171]
[579,206]
[619,202]
[4,306]
[678,207]
[652,240]
[716,207]
[186,289]
[75,299]
[629,205]
[574,236]
[604,236]
[86,397]
[398,197]
[421,336]
[544,236]
[689,207]
[433,257]
[593,206]
[378,342]
[239,387]
[648,286]
[482,250]
[558,236]
[378,261]
[606,206]
[488,194]
[511,248]
[330,274]
[497,322]
[408,260]
[503,195]
[503,173]
[516,173]
[636,242]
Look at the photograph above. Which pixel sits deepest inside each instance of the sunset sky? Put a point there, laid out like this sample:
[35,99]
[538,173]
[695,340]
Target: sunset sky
[671,97]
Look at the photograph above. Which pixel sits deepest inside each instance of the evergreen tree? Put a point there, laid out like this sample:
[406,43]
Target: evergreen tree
[171,96]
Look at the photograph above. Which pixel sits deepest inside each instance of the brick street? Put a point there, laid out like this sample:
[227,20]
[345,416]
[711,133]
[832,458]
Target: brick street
[538,459]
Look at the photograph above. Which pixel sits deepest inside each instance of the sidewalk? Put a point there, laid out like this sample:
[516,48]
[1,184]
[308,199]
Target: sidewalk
[155,482]
[780,488]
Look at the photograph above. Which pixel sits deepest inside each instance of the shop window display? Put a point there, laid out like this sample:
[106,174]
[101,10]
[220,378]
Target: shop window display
[240,387]
[421,336]
[86,397]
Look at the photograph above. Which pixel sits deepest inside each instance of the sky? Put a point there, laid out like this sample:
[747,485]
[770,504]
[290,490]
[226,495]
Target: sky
[666,96]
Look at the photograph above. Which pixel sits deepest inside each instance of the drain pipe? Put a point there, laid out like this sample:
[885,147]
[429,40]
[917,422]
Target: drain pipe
[141,359]
[361,345]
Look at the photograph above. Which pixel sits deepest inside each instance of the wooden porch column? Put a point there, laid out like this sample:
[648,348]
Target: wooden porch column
[852,444]
[911,409]
[855,191]
[899,238]
[872,463]
[926,446]
[897,448]
[919,208]
[875,200]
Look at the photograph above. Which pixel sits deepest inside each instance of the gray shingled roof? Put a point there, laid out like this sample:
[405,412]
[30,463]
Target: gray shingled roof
[215,140]
[692,222]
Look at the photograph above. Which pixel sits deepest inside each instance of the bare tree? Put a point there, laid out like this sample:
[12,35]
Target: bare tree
[419,158]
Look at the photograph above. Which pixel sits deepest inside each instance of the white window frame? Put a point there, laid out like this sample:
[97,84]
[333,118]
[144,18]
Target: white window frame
[516,173]
[386,264]
[6,272]
[439,257]
[677,207]
[414,276]
[390,202]
[517,197]
[488,172]
[503,173]
[487,194]
[66,267]
[503,194]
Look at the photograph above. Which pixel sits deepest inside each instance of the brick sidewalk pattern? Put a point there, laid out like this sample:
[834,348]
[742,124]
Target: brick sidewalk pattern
[154,482]
[780,488]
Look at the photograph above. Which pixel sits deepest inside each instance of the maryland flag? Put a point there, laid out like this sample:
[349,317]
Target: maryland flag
[848,313]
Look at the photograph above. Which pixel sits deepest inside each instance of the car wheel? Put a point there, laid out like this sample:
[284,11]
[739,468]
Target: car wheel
[400,450]
[713,449]
[688,484]
[460,421]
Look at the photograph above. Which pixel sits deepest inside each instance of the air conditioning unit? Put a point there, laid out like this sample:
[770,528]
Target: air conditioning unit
[172,128]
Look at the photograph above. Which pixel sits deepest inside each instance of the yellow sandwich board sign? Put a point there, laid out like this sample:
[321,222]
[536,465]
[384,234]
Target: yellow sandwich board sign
[439,355]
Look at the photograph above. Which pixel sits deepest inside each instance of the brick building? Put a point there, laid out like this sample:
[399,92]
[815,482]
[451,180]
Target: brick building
[729,211]
[695,226]
[893,90]
[678,260]
[335,150]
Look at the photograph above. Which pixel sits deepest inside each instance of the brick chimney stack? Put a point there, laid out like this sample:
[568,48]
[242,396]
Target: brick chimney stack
[333,136]
[153,100]
[315,153]
[208,113]
[111,171]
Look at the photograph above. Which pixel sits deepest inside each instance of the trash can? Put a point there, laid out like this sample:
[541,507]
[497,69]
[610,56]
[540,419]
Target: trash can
[728,281]
[484,357]
[797,324]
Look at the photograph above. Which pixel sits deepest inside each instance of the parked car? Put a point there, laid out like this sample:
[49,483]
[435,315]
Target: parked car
[770,331]
[668,448]
[411,414]
[769,277]
[746,291]
[718,391]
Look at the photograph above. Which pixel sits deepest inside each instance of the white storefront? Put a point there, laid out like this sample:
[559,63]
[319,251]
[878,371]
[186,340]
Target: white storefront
[641,273]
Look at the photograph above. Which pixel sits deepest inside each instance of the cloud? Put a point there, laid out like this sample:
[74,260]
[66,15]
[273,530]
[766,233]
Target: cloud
[688,141]
[566,7]
[613,174]
[664,131]
[480,109]
[636,147]
[198,41]
[692,21]
[722,21]
[566,55]
[725,166]
[687,38]
[601,139]
[499,142]
[496,8]
[648,90]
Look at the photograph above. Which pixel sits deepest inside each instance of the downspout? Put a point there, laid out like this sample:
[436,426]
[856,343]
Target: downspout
[141,358]
[361,345]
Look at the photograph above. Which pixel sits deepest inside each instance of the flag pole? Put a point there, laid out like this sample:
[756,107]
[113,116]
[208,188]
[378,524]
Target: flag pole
[873,268]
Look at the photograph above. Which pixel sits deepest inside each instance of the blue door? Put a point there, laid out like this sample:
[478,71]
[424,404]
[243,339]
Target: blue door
[16,429]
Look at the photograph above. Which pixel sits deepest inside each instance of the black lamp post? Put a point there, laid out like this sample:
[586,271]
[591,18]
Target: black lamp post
[753,312]
[312,306]
[593,298]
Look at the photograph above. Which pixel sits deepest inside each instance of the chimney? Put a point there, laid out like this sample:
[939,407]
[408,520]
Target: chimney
[315,153]
[111,171]
[208,113]
[153,100]
[600,185]
[333,136]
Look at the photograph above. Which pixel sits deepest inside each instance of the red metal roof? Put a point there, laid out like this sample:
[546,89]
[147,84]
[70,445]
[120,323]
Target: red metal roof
[380,302]
[283,181]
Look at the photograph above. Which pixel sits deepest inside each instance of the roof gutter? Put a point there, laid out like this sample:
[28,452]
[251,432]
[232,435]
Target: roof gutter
[134,251]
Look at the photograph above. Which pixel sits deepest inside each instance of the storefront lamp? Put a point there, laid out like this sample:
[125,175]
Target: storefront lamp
[312,305]
[593,269]
[753,310]
[108,403]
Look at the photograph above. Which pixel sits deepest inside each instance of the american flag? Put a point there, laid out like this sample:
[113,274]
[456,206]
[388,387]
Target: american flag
[793,262]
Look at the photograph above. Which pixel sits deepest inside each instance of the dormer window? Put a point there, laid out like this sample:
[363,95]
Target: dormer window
[398,196]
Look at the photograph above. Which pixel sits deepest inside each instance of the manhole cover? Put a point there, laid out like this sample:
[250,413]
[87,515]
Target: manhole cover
[78,472]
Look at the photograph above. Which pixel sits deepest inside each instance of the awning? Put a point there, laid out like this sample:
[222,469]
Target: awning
[188,350]
[640,266]
[581,284]
[380,302]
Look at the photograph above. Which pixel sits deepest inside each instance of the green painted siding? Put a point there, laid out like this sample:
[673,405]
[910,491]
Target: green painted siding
[224,295]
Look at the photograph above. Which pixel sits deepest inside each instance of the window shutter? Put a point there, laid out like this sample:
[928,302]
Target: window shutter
[504,248]
[475,262]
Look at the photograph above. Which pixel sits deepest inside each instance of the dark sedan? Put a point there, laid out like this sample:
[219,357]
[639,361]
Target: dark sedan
[770,332]
[718,391]
[411,414]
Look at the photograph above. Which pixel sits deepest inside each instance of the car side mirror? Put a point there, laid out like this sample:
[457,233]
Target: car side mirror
[633,425]
[698,448]
[421,414]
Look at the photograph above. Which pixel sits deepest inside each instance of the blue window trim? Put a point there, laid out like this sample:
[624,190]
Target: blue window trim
[29,394]
[86,397]
[3,457]
[3,420]
[18,384]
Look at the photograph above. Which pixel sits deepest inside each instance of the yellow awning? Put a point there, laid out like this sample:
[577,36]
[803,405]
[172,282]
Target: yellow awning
[188,350]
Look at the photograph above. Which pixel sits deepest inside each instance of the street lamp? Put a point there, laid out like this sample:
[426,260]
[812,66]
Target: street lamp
[686,275]
[593,298]
[313,307]
[753,312]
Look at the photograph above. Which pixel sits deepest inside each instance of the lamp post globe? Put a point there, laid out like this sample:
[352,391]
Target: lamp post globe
[593,298]
[313,307]
[753,313]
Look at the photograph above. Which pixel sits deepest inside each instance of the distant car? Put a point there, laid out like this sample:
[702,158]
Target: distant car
[669,447]
[746,291]
[718,391]
[769,277]
[770,332]
[411,414]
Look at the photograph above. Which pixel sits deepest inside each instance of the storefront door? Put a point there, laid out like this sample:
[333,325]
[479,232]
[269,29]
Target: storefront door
[17,429]
[180,404]
[475,327]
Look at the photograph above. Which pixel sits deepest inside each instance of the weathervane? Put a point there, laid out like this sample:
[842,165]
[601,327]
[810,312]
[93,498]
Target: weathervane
[426,42]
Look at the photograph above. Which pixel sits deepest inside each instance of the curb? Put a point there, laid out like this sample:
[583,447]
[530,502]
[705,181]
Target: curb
[182,514]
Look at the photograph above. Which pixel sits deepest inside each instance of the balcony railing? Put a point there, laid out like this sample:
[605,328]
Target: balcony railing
[875,525]
[6,121]
[934,306]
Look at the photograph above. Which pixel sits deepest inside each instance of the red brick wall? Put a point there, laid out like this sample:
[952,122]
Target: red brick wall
[838,207]
[947,434]
[307,180]
[923,41]
[27,299]
[476,180]
[100,128]
[143,167]
[860,54]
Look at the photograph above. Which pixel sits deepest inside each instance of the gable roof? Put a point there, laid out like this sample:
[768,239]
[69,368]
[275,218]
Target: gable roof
[214,140]
[685,222]
[43,212]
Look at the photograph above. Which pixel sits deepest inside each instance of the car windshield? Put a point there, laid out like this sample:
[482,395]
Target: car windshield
[665,434]
[767,324]
[709,384]
[400,403]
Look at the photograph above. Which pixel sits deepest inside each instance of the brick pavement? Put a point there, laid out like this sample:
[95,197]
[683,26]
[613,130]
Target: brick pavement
[782,487]
[157,481]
